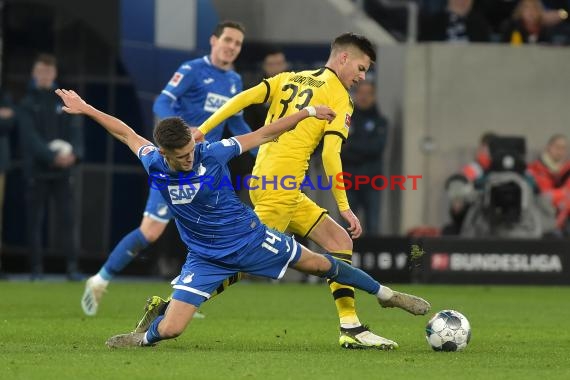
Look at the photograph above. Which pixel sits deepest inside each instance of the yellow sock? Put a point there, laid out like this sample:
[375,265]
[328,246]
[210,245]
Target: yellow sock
[227,283]
[344,295]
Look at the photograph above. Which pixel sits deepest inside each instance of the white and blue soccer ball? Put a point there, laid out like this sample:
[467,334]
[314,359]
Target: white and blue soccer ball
[448,330]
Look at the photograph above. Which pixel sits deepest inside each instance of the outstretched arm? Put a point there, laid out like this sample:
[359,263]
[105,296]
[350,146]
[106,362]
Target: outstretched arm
[275,129]
[119,130]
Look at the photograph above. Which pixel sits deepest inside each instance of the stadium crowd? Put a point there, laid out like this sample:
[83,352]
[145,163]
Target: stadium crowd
[52,145]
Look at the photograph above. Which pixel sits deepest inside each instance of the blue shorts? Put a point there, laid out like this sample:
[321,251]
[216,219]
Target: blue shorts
[156,207]
[268,256]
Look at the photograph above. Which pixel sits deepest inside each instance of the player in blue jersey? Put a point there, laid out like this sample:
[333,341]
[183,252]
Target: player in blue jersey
[223,236]
[195,91]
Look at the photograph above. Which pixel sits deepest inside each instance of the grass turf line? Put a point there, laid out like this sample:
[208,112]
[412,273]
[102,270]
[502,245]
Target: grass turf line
[285,331]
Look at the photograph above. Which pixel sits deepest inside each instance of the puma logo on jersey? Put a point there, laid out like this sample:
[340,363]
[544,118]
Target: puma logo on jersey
[208,80]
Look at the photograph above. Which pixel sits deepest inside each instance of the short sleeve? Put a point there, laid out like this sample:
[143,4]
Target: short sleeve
[341,123]
[224,150]
[146,154]
[180,82]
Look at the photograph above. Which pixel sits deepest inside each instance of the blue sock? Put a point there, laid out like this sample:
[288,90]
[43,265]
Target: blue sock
[346,274]
[152,336]
[123,253]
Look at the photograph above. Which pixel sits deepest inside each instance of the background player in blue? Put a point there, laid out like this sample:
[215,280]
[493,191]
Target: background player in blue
[223,235]
[195,91]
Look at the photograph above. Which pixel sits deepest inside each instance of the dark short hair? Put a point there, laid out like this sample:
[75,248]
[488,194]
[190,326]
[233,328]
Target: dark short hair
[360,42]
[273,50]
[46,59]
[228,24]
[172,133]
[487,137]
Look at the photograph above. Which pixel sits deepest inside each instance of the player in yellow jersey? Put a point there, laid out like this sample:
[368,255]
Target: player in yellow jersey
[285,209]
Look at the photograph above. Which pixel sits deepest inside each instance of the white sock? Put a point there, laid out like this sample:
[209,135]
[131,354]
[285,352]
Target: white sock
[144,341]
[385,293]
[100,280]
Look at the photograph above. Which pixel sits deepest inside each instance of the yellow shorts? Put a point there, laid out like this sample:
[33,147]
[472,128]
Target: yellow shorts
[287,210]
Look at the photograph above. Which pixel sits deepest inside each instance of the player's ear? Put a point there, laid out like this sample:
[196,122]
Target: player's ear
[161,151]
[213,40]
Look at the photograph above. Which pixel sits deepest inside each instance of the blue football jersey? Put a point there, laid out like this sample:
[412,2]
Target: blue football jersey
[197,90]
[211,219]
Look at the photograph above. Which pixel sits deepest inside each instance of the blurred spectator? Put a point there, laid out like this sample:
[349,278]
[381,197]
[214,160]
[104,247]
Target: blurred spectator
[552,175]
[556,17]
[51,147]
[475,170]
[527,24]
[460,188]
[496,195]
[555,11]
[273,63]
[461,196]
[496,12]
[457,23]
[6,123]
[362,154]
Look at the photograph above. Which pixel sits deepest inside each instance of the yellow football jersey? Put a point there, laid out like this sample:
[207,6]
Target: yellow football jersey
[289,154]
[288,93]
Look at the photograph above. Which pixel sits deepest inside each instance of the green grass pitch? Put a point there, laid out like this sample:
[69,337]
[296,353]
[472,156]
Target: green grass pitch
[282,331]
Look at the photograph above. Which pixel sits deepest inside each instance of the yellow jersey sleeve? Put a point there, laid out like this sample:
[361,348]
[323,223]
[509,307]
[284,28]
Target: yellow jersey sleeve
[334,135]
[333,169]
[254,95]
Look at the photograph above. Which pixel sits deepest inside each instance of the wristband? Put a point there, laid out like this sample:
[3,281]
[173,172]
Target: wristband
[312,111]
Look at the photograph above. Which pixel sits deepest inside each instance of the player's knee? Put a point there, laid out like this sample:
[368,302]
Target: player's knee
[323,265]
[339,242]
[318,265]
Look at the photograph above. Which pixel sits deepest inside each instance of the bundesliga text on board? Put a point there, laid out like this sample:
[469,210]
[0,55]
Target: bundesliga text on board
[496,262]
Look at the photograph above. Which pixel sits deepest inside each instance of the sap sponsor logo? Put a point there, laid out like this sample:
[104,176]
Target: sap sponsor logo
[176,78]
[380,260]
[183,194]
[503,262]
[186,67]
[214,102]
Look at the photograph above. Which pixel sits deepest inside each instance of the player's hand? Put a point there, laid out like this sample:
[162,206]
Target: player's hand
[325,113]
[354,227]
[73,102]
[198,136]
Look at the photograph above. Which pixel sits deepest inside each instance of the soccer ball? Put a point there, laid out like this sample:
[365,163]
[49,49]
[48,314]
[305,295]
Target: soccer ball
[448,330]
